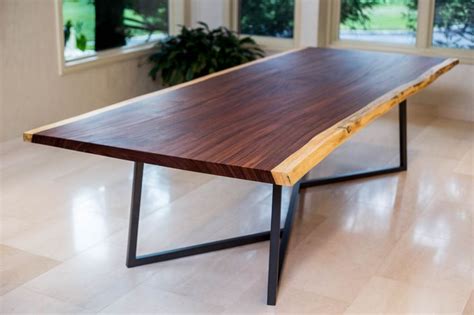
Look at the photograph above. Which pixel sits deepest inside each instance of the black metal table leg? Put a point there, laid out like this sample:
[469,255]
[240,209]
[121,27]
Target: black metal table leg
[134,215]
[290,216]
[402,118]
[279,245]
[274,257]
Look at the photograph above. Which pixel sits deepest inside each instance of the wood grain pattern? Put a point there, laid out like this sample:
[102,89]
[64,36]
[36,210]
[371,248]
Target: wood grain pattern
[28,135]
[302,161]
[271,121]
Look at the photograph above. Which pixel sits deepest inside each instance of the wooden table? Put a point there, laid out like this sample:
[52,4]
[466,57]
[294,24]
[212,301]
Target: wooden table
[270,121]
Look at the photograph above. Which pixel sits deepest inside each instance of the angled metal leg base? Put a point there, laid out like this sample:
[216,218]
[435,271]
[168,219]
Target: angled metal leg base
[279,238]
[133,260]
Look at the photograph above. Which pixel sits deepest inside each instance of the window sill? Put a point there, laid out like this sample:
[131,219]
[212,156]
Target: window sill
[465,56]
[107,57]
[273,43]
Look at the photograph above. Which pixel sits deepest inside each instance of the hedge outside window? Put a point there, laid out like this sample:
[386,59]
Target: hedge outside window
[273,18]
[95,25]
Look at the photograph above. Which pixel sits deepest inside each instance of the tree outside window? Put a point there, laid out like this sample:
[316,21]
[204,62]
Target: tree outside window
[454,24]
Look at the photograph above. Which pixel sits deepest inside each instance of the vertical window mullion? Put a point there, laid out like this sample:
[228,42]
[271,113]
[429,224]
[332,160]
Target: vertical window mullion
[297,23]
[424,29]
[236,15]
[227,13]
[328,22]
[335,18]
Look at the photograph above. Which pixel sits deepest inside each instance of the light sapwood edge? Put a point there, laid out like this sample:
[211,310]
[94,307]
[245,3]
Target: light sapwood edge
[293,168]
[28,135]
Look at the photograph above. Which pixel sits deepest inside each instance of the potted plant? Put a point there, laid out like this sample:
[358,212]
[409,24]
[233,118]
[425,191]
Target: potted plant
[200,51]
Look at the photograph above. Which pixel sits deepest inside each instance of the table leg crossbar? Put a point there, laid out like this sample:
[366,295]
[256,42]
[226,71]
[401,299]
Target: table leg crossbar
[279,238]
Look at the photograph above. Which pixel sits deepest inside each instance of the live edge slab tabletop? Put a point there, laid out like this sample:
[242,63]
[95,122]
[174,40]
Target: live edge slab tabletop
[271,121]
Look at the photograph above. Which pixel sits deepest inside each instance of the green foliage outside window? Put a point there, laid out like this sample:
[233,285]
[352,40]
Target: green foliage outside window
[267,17]
[355,12]
[144,17]
[81,39]
[140,18]
[378,14]
[453,21]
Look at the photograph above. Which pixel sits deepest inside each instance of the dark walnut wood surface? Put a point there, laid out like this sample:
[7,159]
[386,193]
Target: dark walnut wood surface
[270,121]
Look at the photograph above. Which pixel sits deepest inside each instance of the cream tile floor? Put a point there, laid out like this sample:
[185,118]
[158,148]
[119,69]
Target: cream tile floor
[401,243]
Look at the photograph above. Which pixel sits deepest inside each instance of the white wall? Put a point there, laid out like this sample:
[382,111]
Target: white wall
[309,23]
[32,93]
[213,12]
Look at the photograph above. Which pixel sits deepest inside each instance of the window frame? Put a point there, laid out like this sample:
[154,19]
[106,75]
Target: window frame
[270,43]
[328,34]
[177,15]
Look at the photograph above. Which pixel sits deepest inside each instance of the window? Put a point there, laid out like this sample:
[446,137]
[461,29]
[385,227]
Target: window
[273,18]
[91,26]
[453,24]
[427,27]
[391,21]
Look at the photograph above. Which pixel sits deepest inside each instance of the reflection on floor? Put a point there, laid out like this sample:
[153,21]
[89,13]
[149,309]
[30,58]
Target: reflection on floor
[397,243]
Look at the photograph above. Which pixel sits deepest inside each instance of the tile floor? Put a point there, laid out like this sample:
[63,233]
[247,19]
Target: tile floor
[402,243]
